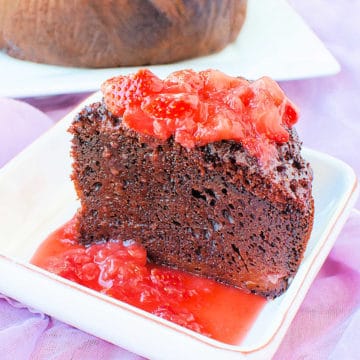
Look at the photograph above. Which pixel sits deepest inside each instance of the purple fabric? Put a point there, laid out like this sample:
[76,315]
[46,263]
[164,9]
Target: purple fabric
[19,115]
[327,325]
[27,334]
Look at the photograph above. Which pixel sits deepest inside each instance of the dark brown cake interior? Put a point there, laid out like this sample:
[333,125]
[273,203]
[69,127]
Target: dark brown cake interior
[211,210]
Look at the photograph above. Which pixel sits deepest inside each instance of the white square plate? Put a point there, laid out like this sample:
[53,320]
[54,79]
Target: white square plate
[37,196]
[274,41]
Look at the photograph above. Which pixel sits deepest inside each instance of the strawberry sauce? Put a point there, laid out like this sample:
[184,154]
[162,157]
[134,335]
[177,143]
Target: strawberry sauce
[120,269]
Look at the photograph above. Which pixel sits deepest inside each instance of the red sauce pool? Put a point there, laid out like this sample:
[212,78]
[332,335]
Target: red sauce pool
[120,270]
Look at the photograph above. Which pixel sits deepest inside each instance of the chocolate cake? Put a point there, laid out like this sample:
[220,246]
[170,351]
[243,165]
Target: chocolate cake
[117,33]
[214,209]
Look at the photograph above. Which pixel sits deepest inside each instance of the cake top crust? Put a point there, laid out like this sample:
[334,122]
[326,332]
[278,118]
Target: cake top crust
[199,108]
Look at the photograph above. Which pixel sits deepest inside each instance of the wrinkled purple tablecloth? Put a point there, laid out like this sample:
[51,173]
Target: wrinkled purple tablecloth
[327,325]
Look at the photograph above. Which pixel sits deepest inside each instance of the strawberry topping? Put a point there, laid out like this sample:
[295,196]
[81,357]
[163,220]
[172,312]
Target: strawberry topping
[199,108]
[121,92]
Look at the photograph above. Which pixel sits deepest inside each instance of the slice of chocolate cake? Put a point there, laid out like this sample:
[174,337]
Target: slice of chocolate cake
[203,169]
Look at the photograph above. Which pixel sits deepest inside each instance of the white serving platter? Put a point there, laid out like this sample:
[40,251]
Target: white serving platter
[37,196]
[274,41]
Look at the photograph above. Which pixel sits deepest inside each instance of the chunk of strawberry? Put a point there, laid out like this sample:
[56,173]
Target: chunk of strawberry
[269,123]
[174,106]
[170,112]
[183,81]
[273,89]
[136,119]
[238,98]
[291,113]
[215,80]
[265,112]
[121,92]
